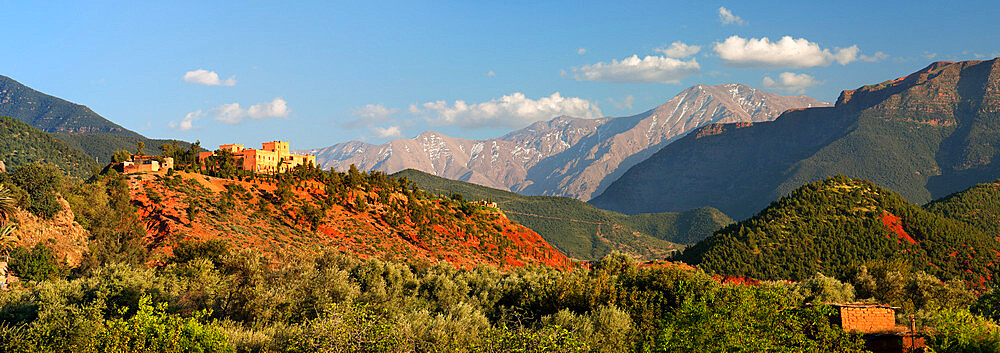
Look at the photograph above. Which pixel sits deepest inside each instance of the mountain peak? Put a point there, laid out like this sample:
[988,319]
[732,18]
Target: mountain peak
[51,114]
[567,156]
[923,135]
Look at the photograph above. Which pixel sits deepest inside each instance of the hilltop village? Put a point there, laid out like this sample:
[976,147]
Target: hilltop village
[273,157]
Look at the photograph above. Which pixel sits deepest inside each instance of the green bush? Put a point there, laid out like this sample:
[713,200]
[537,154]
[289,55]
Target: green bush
[988,306]
[752,319]
[348,328]
[41,183]
[956,330]
[548,339]
[212,250]
[35,264]
[151,329]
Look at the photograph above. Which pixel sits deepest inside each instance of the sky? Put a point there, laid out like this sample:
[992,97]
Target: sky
[319,73]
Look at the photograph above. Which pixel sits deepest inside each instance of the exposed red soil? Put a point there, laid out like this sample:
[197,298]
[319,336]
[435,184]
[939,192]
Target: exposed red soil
[485,238]
[895,225]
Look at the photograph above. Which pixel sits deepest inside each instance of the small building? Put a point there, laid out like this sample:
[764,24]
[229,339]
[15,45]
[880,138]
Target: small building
[139,164]
[866,317]
[485,203]
[877,324]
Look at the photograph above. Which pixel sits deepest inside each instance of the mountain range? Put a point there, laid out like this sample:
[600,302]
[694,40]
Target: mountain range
[565,156]
[76,125]
[925,135]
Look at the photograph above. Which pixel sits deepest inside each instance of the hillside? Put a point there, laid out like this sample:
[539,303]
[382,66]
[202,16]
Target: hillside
[583,231]
[565,156]
[923,136]
[103,145]
[834,225]
[75,124]
[22,144]
[51,114]
[369,215]
[978,206]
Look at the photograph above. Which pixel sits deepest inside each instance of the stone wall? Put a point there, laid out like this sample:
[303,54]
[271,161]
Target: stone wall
[868,319]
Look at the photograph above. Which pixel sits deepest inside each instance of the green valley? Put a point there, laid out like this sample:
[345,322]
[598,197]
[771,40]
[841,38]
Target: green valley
[583,231]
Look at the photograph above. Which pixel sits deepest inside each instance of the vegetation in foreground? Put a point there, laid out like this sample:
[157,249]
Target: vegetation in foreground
[211,297]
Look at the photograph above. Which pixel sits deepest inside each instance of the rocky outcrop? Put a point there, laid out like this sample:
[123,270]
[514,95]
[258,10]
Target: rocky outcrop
[565,156]
[67,238]
[3,167]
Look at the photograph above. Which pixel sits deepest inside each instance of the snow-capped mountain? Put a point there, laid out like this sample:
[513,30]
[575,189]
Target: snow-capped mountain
[565,156]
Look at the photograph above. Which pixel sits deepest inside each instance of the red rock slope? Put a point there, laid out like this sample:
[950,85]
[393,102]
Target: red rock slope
[368,223]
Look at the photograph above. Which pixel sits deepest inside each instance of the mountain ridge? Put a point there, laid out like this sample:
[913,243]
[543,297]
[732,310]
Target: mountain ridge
[76,125]
[565,156]
[892,133]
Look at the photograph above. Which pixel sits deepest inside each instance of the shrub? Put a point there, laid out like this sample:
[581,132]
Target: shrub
[40,182]
[151,329]
[988,306]
[36,264]
[548,339]
[212,250]
[348,328]
[961,331]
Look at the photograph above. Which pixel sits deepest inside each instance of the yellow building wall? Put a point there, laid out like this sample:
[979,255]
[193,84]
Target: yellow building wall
[274,156]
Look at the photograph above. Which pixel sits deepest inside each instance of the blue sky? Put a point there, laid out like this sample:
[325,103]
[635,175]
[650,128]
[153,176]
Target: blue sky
[318,73]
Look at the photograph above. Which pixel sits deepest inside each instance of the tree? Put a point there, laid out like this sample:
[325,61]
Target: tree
[41,182]
[222,163]
[36,264]
[171,150]
[121,156]
[139,147]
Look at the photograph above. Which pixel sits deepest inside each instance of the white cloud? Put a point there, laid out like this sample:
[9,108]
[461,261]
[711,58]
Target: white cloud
[374,112]
[625,103]
[514,110]
[207,78]
[276,108]
[233,114]
[728,18]
[369,114]
[229,113]
[581,51]
[656,69]
[929,55]
[387,132]
[790,82]
[679,50]
[878,56]
[786,52]
[187,123]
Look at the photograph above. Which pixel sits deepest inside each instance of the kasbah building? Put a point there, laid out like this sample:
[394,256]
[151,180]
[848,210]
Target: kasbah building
[274,156]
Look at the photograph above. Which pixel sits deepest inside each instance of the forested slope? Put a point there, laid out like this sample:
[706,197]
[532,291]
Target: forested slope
[837,224]
[584,231]
[21,144]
